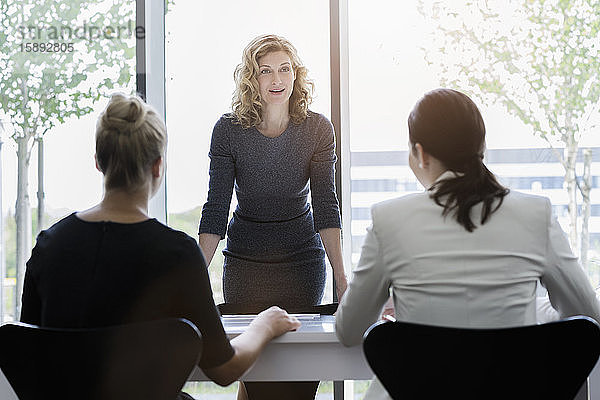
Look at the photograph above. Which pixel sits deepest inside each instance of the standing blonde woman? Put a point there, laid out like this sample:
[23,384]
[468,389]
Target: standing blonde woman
[112,264]
[275,151]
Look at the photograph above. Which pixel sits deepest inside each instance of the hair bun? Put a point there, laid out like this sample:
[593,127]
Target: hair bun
[124,114]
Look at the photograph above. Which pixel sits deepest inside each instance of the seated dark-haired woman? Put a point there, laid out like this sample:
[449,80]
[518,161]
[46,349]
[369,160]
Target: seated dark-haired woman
[467,252]
[113,264]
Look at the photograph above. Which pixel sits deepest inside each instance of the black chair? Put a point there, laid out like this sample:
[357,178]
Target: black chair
[549,361]
[147,360]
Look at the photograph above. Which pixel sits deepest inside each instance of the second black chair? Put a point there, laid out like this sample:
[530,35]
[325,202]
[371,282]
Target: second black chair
[148,360]
[549,361]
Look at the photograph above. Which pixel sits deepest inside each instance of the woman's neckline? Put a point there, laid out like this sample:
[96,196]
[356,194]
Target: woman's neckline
[273,137]
[112,221]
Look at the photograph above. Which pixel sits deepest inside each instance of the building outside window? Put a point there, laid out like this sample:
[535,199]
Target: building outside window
[391,67]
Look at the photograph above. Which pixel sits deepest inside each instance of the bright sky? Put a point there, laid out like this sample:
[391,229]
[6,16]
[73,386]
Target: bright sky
[205,42]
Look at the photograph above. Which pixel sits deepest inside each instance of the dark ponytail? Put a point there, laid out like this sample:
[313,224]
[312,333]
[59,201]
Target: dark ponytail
[449,127]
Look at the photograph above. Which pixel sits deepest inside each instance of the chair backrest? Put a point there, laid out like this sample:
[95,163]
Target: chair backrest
[548,361]
[147,360]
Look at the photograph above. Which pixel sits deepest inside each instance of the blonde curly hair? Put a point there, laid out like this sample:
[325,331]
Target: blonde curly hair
[246,104]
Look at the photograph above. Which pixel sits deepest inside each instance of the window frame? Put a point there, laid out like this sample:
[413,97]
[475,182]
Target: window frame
[150,78]
[150,84]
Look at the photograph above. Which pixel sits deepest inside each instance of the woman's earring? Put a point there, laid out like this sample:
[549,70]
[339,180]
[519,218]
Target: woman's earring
[421,165]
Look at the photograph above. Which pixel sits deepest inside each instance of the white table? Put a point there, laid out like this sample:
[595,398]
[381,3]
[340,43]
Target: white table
[313,352]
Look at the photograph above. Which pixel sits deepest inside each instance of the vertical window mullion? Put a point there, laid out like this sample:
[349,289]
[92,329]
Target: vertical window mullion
[338,36]
[338,17]
[150,72]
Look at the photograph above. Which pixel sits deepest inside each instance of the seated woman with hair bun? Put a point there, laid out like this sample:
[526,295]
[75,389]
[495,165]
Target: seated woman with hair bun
[113,264]
[467,252]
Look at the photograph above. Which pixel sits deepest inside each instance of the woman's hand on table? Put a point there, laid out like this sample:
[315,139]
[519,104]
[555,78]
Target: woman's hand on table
[276,321]
[267,325]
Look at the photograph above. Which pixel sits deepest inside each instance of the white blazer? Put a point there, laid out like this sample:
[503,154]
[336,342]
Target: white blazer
[441,274]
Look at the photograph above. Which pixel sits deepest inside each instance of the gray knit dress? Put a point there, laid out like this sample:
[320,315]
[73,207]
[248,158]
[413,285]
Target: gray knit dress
[274,253]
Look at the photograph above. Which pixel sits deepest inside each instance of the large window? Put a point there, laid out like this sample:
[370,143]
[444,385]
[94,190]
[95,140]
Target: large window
[391,65]
[204,43]
[58,65]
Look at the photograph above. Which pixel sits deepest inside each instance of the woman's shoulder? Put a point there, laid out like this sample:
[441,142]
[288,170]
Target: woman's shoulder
[228,121]
[178,246]
[518,199]
[227,128]
[318,124]
[227,118]
[64,226]
[514,199]
[316,118]
[316,115]
[397,204]
[159,241]
[59,235]
[175,237]
[148,230]
[526,207]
